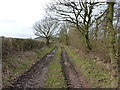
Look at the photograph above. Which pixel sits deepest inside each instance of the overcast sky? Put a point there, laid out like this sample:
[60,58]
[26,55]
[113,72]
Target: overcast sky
[18,16]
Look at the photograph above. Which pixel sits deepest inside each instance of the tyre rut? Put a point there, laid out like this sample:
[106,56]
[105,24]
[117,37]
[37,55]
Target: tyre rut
[73,78]
[36,75]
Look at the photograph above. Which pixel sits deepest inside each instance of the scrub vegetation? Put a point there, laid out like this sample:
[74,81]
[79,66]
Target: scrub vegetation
[15,61]
[95,72]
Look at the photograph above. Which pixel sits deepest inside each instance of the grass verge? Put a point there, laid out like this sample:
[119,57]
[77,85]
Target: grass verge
[55,75]
[45,50]
[96,74]
[15,65]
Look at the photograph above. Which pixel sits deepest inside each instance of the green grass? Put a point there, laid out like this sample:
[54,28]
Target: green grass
[43,52]
[55,76]
[95,73]
[17,65]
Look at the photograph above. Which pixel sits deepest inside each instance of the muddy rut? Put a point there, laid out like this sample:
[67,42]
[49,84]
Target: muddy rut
[35,77]
[72,76]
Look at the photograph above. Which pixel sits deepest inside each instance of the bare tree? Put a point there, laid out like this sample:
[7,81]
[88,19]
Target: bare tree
[78,13]
[46,28]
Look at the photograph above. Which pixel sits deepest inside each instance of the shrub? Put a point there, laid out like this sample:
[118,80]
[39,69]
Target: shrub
[12,45]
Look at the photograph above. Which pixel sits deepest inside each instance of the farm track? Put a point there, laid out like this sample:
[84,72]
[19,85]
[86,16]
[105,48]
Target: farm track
[36,75]
[73,77]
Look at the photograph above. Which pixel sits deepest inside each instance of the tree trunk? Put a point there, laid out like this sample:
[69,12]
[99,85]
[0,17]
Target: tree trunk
[87,40]
[47,41]
[67,40]
[112,43]
[111,32]
[89,46]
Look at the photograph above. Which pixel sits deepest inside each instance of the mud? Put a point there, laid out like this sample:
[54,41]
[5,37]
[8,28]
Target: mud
[72,76]
[36,75]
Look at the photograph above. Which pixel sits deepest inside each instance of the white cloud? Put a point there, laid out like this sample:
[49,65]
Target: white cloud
[18,16]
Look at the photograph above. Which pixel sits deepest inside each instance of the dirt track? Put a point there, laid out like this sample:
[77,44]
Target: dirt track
[36,75]
[73,77]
